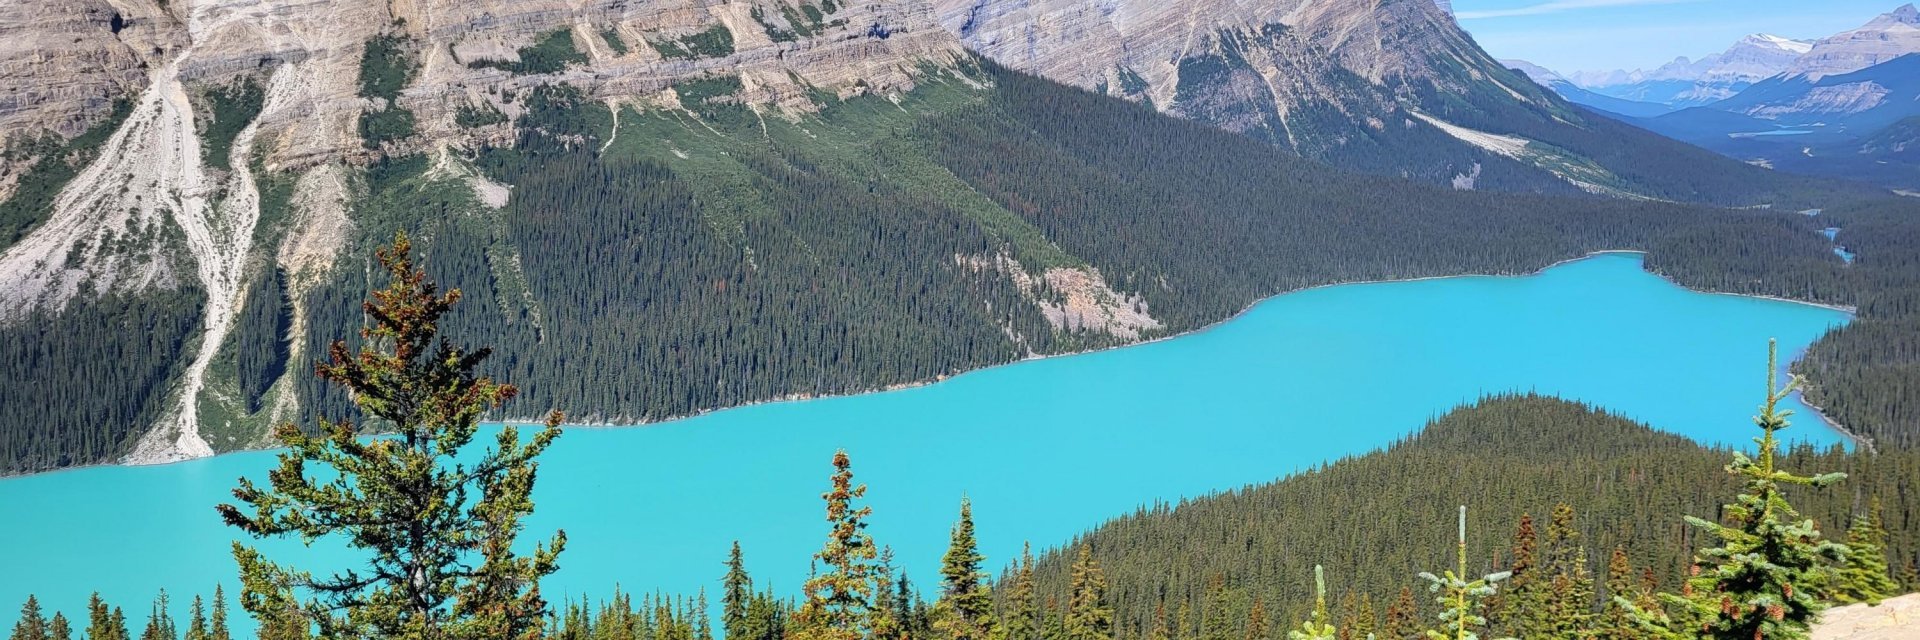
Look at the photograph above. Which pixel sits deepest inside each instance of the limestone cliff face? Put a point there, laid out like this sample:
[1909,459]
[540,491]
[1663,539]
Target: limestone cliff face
[64,62]
[169,197]
[1242,64]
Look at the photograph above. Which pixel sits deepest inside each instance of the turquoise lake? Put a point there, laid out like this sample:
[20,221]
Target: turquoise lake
[1046,448]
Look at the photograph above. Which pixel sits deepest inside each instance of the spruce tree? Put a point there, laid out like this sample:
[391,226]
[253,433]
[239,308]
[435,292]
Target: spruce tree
[1318,625]
[159,621]
[1162,628]
[965,609]
[219,630]
[1520,608]
[1366,622]
[100,620]
[1403,618]
[1216,623]
[702,625]
[1769,577]
[1022,609]
[1348,617]
[885,623]
[32,625]
[117,625]
[1088,616]
[437,532]
[1460,598]
[736,592]
[907,609]
[1864,576]
[58,628]
[1616,621]
[197,621]
[839,599]
[1569,603]
[1257,620]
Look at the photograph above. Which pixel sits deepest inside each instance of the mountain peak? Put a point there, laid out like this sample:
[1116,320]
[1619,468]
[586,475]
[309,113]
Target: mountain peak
[1891,35]
[1770,41]
[1906,14]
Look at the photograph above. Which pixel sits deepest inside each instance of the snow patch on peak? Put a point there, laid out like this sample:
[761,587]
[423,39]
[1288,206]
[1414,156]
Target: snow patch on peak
[1769,40]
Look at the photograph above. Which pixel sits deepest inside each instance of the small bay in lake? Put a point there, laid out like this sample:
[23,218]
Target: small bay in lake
[1046,448]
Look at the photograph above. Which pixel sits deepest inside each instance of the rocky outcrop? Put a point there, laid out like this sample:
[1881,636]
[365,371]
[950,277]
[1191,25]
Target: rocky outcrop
[1889,36]
[1096,44]
[1320,77]
[64,63]
[1892,619]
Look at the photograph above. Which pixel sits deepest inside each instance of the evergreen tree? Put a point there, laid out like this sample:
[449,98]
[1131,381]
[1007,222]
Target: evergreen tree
[1864,576]
[1520,609]
[838,600]
[1349,617]
[219,629]
[31,625]
[1569,603]
[1403,618]
[98,617]
[1022,609]
[1162,627]
[1366,623]
[965,609]
[702,625]
[766,619]
[58,628]
[1088,616]
[736,592]
[906,609]
[1768,578]
[1319,626]
[1257,620]
[103,622]
[159,622]
[1461,599]
[886,619]
[197,621]
[1217,622]
[1616,621]
[406,502]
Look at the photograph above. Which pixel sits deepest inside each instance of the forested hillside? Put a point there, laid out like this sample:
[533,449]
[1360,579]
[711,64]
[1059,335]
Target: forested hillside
[844,253]
[1197,569]
[694,258]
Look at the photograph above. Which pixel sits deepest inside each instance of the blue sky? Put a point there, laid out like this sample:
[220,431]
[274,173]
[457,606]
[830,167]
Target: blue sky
[1574,35]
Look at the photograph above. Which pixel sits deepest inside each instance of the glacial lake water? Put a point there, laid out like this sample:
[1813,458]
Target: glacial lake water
[1046,448]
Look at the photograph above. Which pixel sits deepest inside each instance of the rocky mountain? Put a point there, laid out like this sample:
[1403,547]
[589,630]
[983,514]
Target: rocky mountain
[1387,87]
[1581,96]
[201,101]
[1851,124]
[1686,82]
[1891,35]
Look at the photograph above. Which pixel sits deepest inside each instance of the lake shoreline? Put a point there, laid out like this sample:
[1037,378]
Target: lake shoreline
[1035,357]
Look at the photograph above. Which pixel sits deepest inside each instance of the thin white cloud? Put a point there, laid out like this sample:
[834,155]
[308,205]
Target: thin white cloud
[1559,6]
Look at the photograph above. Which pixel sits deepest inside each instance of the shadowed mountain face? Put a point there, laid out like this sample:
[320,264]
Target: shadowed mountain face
[1386,87]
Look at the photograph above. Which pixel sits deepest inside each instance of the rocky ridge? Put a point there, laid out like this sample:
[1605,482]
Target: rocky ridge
[163,204]
[1891,35]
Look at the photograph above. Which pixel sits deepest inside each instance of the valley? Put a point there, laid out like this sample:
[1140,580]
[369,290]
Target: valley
[1041,447]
